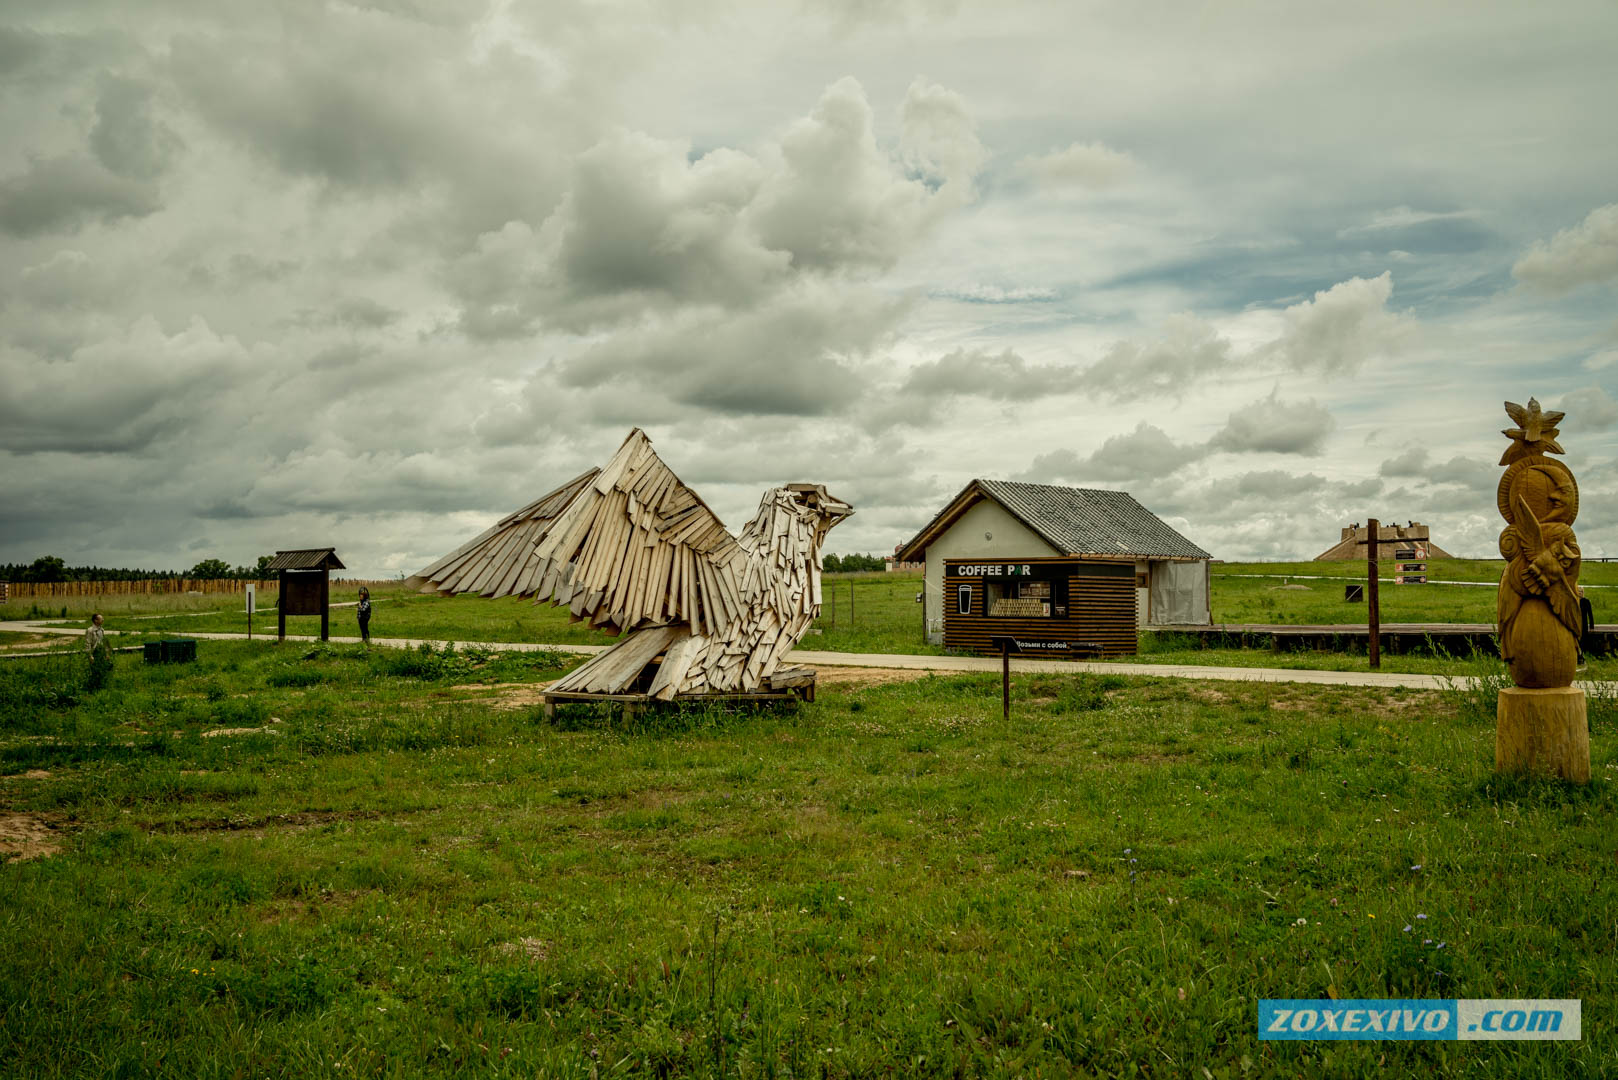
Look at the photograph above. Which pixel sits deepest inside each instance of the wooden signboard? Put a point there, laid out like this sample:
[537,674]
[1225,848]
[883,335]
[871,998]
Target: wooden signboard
[305,587]
[304,594]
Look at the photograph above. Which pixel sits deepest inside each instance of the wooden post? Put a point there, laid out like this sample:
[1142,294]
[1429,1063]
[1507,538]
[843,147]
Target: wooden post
[281,608]
[924,608]
[325,604]
[1005,680]
[1373,612]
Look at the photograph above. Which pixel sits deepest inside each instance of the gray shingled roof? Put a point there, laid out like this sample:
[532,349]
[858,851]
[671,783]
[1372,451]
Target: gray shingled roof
[1086,521]
[1074,521]
[307,559]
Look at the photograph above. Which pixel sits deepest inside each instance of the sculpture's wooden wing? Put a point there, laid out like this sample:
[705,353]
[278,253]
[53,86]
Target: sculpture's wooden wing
[636,547]
[497,562]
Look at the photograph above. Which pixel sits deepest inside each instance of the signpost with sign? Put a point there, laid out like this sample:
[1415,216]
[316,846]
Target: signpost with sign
[1022,646]
[251,606]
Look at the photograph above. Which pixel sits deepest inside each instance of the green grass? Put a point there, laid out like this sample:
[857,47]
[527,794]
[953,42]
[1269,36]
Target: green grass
[399,877]
[1239,596]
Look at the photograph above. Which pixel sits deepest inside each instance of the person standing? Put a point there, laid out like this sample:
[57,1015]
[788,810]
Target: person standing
[99,652]
[1587,625]
[364,615]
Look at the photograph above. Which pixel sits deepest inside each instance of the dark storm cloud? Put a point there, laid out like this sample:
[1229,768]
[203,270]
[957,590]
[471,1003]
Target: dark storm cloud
[127,139]
[63,193]
[376,273]
[799,355]
[119,395]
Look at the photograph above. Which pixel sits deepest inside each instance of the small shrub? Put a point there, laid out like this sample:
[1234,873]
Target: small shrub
[425,663]
[296,677]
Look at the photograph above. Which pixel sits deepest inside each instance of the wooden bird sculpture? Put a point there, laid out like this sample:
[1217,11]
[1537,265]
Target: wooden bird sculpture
[1538,606]
[632,550]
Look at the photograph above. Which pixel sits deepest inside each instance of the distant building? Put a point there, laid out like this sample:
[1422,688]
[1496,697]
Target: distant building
[1412,536]
[1097,561]
[892,564]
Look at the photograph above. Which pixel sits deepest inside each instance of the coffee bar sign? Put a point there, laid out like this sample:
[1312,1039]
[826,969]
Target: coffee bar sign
[993,569]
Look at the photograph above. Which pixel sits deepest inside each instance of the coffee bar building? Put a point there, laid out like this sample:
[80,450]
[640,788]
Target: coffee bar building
[1041,562]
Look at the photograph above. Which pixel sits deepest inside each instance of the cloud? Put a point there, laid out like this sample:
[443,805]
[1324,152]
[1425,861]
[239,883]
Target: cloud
[642,222]
[1188,350]
[646,227]
[1586,254]
[798,354]
[1341,328]
[835,200]
[1403,217]
[62,193]
[68,279]
[1084,165]
[938,138]
[1472,473]
[1590,408]
[115,395]
[994,294]
[1004,377]
[126,139]
[1142,454]
[1413,462]
[1270,425]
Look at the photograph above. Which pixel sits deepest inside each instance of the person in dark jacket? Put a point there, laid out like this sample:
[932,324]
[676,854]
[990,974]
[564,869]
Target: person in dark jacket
[364,614]
[1587,625]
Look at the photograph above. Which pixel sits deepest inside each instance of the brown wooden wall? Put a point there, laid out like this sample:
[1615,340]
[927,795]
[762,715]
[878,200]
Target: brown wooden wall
[1101,609]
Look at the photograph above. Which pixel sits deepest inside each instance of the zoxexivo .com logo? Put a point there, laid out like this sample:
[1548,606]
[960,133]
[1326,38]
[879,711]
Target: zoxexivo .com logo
[1462,1019]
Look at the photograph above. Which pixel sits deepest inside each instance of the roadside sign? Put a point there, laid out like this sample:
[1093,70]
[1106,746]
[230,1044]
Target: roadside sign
[1410,573]
[251,598]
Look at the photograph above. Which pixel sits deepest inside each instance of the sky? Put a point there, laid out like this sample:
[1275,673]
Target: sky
[372,275]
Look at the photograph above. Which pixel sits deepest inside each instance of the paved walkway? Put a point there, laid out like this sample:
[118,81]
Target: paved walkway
[906,661]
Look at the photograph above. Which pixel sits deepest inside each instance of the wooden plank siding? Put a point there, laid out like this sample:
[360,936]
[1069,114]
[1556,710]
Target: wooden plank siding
[1100,605]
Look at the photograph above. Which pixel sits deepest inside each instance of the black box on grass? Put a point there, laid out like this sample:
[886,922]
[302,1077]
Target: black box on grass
[173,651]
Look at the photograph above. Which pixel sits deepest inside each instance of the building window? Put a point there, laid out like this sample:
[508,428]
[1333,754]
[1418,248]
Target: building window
[1019,599]
[963,599]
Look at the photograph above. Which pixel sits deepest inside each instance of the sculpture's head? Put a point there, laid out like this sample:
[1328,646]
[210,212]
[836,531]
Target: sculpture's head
[815,498]
[1549,491]
[1563,546]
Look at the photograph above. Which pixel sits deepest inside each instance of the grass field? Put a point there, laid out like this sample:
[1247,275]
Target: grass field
[393,866]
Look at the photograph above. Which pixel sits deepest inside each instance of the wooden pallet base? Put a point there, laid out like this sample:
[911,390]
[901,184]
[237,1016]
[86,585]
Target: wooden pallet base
[797,684]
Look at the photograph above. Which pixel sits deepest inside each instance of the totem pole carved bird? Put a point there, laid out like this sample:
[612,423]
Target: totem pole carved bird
[632,550]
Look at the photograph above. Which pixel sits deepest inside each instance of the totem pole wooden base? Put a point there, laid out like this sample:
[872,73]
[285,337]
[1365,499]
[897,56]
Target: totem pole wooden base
[1543,733]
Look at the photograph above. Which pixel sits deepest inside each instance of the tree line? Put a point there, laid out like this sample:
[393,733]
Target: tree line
[833,564]
[50,568]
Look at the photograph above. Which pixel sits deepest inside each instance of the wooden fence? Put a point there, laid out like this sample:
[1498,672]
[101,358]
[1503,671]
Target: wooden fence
[33,590]
[26,590]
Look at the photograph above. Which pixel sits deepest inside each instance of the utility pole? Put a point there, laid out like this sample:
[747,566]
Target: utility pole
[1373,612]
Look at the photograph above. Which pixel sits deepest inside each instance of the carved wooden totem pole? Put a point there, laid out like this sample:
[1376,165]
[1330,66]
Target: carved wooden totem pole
[1541,724]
